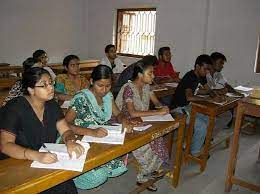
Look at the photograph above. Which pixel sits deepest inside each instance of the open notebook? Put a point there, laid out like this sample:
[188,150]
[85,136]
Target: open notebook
[115,135]
[64,161]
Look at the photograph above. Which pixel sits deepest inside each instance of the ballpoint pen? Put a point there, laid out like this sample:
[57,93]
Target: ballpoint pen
[45,147]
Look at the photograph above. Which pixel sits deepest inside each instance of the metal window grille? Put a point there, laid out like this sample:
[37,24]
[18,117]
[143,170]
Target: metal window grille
[136,31]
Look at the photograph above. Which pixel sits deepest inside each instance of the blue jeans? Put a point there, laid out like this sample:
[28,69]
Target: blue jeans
[200,126]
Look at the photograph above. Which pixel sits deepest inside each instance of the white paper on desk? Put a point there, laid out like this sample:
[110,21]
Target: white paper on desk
[233,95]
[64,161]
[117,128]
[142,128]
[65,104]
[167,117]
[111,138]
[171,84]
[244,89]
[219,103]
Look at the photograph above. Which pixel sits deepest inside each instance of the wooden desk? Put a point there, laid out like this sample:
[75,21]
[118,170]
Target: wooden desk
[18,70]
[163,93]
[246,106]
[212,110]
[17,176]
[8,82]
[86,66]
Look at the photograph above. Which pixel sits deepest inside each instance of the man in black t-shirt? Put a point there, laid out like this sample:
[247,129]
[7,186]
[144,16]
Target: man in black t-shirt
[194,82]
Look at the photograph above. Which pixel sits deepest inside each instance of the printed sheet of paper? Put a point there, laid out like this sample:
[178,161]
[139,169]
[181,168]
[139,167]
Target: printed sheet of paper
[244,89]
[171,84]
[167,117]
[64,161]
[65,104]
[142,128]
[114,136]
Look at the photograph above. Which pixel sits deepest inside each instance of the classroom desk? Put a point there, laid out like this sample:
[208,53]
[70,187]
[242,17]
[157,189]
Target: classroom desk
[8,82]
[18,70]
[246,106]
[17,176]
[86,66]
[163,93]
[211,110]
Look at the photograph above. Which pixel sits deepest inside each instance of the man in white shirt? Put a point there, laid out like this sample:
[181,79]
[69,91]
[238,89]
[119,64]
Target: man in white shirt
[111,59]
[217,82]
[215,79]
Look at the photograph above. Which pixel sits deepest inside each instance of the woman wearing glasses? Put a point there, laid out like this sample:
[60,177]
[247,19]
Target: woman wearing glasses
[68,84]
[23,134]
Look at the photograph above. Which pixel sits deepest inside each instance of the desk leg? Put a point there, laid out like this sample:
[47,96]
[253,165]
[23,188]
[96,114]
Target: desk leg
[170,142]
[205,153]
[178,157]
[189,134]
[234,149]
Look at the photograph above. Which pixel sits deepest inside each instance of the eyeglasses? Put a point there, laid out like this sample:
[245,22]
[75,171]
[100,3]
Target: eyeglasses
[45,84]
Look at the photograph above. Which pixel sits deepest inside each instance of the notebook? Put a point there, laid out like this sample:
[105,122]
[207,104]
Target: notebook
[64,161]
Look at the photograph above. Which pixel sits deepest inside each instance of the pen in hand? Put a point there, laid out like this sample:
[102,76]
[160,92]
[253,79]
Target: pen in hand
[45,147]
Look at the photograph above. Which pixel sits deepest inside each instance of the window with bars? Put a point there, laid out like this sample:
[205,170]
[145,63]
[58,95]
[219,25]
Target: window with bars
[135,32]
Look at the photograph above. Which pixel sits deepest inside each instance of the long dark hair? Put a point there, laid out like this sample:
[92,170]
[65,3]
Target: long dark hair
[31,76]
[140,67]
[101,72]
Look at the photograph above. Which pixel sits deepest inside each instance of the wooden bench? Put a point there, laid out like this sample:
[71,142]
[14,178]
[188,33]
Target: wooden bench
[86,66]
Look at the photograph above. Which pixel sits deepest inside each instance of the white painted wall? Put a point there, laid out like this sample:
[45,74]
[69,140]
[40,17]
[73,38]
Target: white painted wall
[189,27]
[84,27]
[179,25]
[59,27]
[233,28]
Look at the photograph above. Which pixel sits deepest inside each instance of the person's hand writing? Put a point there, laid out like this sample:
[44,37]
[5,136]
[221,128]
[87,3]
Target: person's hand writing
[100,132]
[46,157]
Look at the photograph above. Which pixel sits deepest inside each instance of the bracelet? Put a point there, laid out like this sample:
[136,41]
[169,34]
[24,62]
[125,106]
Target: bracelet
[24,153]
[68,136]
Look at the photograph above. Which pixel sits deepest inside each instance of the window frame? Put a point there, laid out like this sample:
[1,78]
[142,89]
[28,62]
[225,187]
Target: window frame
[116,34]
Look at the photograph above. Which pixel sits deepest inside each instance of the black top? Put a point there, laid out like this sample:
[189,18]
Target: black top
[190,80]
[18,118]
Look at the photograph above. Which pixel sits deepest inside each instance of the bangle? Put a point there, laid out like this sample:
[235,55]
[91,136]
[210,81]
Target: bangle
[68,136]
[24,153]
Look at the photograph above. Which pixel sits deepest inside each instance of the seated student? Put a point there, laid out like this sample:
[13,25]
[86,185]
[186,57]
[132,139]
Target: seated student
[164,71]
[28,121]
[215,78]
[40,58]
[66,85]
[16,89]
[218,83]
[96,106]
[111,60]
[133,100]
[185,93]
[128,72]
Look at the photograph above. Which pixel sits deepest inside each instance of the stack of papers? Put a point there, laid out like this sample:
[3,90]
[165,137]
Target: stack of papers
[115,135]
[64,161]
[167,117]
